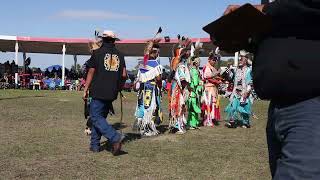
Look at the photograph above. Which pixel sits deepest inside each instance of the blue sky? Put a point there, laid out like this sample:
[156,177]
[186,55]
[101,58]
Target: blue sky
[128,18]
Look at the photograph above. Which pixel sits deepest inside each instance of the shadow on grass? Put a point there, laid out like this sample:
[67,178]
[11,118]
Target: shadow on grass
[163,128]
[108,147]
[21,97]
[129,137]
[119,126]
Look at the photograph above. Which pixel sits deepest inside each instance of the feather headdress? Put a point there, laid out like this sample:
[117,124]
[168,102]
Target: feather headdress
[215,54]
[179,50]
[97,42]
[196,50]
[151,44]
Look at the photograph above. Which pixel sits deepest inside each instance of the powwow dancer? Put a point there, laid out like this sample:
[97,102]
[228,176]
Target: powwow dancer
[98,41]
[179,91]
[210,98]
[195,87]
[148,111]
[93,45]
[239,108]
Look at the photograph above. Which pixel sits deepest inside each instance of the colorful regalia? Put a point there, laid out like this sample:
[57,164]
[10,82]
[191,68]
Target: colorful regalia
[148,111]
[179,88]
[210,98]
[195,87]
[239,109]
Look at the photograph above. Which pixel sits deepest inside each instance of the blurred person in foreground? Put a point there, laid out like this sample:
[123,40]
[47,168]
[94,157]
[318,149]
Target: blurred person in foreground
[284,59]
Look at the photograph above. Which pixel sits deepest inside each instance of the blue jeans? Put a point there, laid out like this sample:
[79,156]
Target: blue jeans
[293,136]
[100,126]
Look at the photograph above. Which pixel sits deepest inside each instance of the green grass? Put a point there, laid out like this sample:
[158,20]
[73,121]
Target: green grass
[42,138]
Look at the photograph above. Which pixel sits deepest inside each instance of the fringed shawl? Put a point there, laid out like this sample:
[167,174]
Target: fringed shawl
[150,71]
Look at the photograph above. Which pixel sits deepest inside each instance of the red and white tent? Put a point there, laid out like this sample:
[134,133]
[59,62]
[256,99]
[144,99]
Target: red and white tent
[79,46]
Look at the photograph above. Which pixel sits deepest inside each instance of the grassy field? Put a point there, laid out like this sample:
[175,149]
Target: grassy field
[41,137]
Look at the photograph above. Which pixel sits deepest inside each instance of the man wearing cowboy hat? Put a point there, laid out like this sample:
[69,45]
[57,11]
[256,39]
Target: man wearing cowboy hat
[107,70]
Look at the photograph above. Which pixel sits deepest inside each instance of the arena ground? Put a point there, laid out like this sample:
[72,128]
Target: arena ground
[42,137]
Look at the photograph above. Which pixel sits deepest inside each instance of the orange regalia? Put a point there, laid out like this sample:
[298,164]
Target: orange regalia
[179,93]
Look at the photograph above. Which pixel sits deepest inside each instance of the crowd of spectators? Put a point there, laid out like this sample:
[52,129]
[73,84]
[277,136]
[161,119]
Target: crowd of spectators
[36,79]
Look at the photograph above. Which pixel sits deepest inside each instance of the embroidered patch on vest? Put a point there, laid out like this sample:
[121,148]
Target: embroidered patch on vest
[111,63]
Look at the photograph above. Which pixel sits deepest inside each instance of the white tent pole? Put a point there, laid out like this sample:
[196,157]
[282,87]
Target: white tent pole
[63,70]
[17,63]
[236,59]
